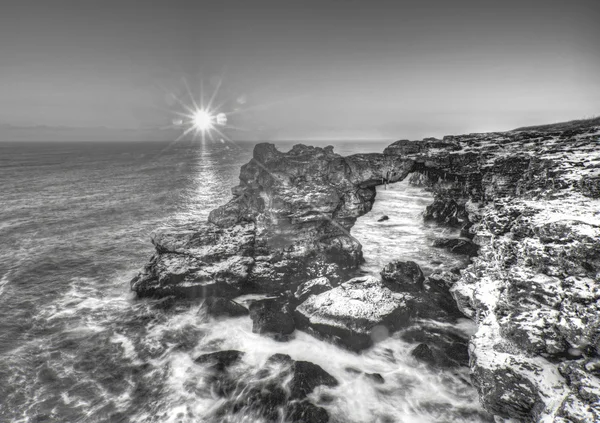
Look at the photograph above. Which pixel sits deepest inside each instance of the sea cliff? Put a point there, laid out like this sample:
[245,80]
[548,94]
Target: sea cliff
[528,206]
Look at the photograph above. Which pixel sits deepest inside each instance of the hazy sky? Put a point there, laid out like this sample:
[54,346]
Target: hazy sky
[304,69]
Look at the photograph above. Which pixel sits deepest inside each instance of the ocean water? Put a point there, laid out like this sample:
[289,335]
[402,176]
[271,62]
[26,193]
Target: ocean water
[76,346]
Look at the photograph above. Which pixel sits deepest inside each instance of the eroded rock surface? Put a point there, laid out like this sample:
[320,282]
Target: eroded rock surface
[288,222]
[533,288]
[528,199]
[365,310]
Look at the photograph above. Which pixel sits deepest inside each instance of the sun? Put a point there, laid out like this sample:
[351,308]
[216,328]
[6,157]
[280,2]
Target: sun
[202,120]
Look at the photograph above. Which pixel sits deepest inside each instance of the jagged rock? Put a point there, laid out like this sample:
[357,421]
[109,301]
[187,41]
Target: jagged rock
[403,276]
[446,211]
[312,287]
[590,184]
[438,286]
[272,317]
[199,262]
[457,245]
[507,394]
[288,222]
[218,306]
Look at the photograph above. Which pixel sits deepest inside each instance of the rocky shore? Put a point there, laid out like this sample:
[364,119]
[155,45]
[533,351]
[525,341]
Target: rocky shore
[527,203]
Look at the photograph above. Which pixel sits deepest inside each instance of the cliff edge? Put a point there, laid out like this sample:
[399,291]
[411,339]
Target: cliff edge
[528,199]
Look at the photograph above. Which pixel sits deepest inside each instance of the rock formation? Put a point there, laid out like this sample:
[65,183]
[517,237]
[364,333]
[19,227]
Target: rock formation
[528,199]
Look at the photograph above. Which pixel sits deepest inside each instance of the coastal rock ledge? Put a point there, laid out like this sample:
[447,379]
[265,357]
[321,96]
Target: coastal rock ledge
[528,199]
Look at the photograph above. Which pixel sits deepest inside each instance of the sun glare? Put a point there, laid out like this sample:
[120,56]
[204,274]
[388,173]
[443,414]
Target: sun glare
[203,120]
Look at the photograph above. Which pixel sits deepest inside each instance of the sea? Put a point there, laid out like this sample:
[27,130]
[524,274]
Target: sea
[77,346]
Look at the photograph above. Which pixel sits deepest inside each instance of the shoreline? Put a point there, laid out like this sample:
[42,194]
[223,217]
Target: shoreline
[288,225]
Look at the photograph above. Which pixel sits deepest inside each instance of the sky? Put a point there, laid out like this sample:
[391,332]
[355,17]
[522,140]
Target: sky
[297,69]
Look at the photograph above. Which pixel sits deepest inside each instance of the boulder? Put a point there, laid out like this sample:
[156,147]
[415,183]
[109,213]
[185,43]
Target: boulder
[403,276]
[272,317]
[356,313]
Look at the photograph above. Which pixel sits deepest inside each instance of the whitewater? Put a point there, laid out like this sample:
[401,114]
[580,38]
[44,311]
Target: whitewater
[77,346]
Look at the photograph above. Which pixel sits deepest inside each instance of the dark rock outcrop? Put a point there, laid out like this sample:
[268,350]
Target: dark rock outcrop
[280,389]
[288,222]
[438,345]
[219,306]
[457,245]
[403,276]
[306,376]
[423,353]
[365,310]
[272,317]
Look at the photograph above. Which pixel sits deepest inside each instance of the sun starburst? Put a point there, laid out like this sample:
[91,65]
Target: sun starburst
[200,120]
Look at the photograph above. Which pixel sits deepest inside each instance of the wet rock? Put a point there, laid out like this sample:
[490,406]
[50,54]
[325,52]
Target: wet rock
[383,218]
[423,353]
[220,360]
[306,412]
[272,317]
[218,306]
[362,311]
[438,286]
[446,211]
[375,377]
[403,276]
[197,263]
[306,376]
[590,184]
[312,287]
[457,245]
[439,346]
[280,389]
[354,313]
[264,400]
[507,394]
